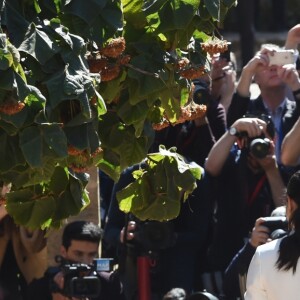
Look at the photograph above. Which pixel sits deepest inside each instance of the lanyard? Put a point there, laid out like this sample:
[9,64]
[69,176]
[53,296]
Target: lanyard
[256,190]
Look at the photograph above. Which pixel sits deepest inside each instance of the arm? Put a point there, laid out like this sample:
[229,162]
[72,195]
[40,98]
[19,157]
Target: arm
[223,78]
[255,290]
[293,37]
[221,149]
[290,149]
[258,62]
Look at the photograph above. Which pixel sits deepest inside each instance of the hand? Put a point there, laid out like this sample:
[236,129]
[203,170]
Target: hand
[59,280]
[223,82]
[289,75]
[131,226]
[254,127]
[259,62]
[259,234]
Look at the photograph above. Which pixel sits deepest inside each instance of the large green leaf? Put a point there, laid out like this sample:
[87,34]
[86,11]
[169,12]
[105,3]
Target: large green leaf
[38,44]
[31,143]
[171,14]
[133,12]
[213,6]
[149,197]
[43,140]
[86,12]
[28,211]
[55,138]
[10,152]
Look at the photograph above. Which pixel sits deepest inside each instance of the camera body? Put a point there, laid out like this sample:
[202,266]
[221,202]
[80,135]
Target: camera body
[282,57]
[278,226]
[154,235]
[82,280]
[260,146]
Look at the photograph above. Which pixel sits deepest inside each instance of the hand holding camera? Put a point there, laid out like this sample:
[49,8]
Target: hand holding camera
[78,280]
[259,234]
[267,229]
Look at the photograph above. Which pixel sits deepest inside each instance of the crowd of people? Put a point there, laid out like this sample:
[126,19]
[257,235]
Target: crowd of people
[247,145]
[248,148]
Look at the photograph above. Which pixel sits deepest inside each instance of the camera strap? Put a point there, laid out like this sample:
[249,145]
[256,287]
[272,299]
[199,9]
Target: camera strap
[257,189]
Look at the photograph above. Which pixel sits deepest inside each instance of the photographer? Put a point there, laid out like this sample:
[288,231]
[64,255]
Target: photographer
[80,246]
[249,186]
[279,86]
[176,263]
[274,269]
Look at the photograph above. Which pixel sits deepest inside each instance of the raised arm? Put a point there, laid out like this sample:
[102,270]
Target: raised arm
[293,37]
[221,149]
[290,149]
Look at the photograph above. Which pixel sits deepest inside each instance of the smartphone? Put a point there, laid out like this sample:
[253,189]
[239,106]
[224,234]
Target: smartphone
[226,54]
[282,57]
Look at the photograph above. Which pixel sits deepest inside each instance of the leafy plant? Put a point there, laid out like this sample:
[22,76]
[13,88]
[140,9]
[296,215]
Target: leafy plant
[162,181]
[86,85]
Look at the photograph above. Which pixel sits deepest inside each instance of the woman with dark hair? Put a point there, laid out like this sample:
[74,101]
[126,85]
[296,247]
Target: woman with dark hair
[274,272]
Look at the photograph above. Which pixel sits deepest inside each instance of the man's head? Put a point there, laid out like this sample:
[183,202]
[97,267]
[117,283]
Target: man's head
[80,241]
[267,77]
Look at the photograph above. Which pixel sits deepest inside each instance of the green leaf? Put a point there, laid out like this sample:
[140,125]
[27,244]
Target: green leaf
[213,6]
[27,211]
[152,6]
[86,13]
[55,139]
[163,209]
[38,44]
[6,59]
[131,114]
[10,152]
[31,142]
[133,12]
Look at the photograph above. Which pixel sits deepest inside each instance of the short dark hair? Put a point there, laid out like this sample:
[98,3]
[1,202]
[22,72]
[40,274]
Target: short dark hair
[81,231]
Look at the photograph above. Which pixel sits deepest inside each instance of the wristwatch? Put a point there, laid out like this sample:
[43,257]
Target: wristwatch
[233,131]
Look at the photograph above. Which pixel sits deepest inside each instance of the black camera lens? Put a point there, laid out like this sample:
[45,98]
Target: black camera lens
[260,147]
[87,286]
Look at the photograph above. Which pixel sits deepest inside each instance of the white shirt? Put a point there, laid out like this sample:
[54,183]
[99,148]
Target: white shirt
[265,281]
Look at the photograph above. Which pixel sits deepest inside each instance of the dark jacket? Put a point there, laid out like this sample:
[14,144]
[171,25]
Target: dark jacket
[241,105]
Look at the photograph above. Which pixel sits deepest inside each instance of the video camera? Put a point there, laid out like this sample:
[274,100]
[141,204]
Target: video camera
[82,280]
[278,226]
[260,146]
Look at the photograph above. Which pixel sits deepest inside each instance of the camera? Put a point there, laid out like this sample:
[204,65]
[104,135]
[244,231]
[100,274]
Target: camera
[260,146]
[278,226]
[154,235]
[82,280]
[282,57]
